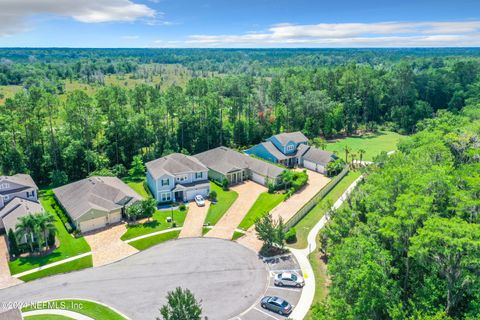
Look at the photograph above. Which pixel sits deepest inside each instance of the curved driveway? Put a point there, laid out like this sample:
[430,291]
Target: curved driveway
[227,277]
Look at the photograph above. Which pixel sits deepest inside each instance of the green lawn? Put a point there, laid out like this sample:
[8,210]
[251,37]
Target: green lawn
[87,308]
[47,317]
[304,226]
[263,205]
[157,223]
[224,200]
[82,263]
[69,246]
[145,243]
[237,235]
[138,187]
[320,271]
[373,144]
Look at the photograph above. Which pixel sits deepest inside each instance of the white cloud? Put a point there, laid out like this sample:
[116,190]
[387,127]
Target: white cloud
[381,34]
[14,13]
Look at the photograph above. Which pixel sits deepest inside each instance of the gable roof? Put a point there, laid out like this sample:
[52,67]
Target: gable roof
[15,209]
[286,137]
[270,147]
[174,164]
[225,160]
[319,156]
[101,193]
[302,149]
[23,182]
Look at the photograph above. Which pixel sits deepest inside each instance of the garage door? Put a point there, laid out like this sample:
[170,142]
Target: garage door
[192,193]
[93,224]
[258,178]
[114,217]
[310,165]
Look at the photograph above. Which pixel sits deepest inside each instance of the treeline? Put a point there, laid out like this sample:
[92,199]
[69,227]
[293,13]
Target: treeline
[407,245]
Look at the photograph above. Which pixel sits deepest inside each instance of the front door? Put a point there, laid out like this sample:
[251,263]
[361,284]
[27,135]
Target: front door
[179,196]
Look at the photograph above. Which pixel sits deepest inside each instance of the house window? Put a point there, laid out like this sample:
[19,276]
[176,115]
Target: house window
[166,196]
[198,175]
[165,182]
[6,197]
[182,178]
[290,148]
[4,186]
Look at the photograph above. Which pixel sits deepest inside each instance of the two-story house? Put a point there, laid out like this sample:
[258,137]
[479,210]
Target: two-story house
[177,177]
[17,186]
[291,149]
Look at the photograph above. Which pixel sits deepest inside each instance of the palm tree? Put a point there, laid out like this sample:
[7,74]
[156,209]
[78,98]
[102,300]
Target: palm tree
[25,229]
[361,152]
[46,224]
[353,156]
[347,151]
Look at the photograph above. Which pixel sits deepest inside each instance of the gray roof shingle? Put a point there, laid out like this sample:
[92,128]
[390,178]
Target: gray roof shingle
[286,137]
[174,164]
[319,156]
[101,193]
[24,181]
[15,209]
[225,160]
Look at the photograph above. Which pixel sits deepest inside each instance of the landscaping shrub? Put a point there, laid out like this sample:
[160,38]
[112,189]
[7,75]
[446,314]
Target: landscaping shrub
[271,187]
[213,196]
[12,244]
[225,184]
[68,227]
[64,218]
[291,236]
[51,239]
[182,207]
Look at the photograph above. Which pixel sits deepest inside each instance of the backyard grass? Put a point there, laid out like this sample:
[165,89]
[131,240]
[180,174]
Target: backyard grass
[69,245]
[157,223]
[304,226]
[82,263]
[263,205]
[87,308]
[373,144]
[138,187]
[224,200]
[145,243]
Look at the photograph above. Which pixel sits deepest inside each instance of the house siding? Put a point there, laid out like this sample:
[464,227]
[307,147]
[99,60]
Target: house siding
[260,151]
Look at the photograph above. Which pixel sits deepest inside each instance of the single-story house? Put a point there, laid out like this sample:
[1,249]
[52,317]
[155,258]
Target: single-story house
[225,163]
[177,177]
[95,202]
[291,149]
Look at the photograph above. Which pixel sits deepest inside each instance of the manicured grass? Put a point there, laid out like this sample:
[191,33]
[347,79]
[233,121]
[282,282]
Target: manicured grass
[263,205]
[373,144]
[304,226]
[87,308]
[321,283]
[157,223]
[145,243]
[138,187]
[237,235]
[69,246]
[82,263]
[224,200]
[205,230]
[47,317]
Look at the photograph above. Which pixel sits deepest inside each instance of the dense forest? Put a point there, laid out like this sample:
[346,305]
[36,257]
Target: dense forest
[408,244]
[61,135]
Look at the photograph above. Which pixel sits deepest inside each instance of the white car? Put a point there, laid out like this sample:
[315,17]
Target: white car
[289,279]
[199,200]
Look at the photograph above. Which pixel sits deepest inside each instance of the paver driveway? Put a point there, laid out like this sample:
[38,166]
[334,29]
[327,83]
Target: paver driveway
[193,224]
[287,209]
[107,247]
[248,193]
[6,280]
[226,277]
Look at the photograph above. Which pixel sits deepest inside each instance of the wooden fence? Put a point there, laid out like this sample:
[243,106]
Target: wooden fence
[313,202]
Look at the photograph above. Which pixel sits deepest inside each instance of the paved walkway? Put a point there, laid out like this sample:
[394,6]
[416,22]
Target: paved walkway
[6,280]
[308,291]
[193,224]
[287,209]
[107,246]
[65,313]
[248,193]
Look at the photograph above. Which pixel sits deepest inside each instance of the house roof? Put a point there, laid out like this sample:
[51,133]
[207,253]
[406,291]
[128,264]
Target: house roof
[101,193]
[15,209]
[286,137]
[225,160]
[174,164]
[270,147]
[302,149]
[24,181]
[196,184]
[319,156]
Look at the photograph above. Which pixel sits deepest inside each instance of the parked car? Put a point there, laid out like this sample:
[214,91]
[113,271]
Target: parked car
[276,304]
[289,279]
[199,200]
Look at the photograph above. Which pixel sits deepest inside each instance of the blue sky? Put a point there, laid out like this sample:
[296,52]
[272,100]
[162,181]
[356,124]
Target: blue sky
[239,23]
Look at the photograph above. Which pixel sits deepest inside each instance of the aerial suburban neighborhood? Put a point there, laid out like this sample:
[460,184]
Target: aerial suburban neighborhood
[239,160]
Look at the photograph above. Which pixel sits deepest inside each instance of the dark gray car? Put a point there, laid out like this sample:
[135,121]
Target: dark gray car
[277,305]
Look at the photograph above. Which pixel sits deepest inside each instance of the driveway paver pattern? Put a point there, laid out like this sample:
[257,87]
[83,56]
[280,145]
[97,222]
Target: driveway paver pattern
[193,224]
